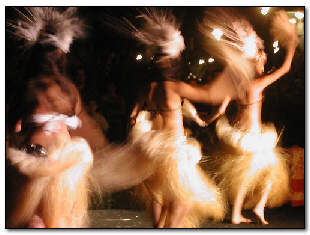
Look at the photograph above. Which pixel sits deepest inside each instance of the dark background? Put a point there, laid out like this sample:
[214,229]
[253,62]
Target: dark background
[108,57]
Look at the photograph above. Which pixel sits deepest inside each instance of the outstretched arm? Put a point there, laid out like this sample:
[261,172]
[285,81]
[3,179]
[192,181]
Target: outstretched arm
[212,93]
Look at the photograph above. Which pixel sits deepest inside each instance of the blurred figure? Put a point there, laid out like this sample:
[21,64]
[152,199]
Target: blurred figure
[51,167]
[247,164]
[42,153]
[178,194]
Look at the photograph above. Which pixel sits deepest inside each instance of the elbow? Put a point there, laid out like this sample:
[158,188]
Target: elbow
[287,69]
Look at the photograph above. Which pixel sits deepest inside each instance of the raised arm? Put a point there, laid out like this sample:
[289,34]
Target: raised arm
[263,82]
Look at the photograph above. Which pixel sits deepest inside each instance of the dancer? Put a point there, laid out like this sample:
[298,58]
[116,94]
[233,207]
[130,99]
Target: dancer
[55,167]
[48,34]
[178,194]
[249,166]
[54,193]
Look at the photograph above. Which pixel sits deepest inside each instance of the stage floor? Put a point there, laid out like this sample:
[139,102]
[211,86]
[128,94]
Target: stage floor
[283,217]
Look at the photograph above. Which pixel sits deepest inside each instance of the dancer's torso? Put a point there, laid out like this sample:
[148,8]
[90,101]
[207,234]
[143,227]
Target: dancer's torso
[55,100]
[248,116]
[165,107]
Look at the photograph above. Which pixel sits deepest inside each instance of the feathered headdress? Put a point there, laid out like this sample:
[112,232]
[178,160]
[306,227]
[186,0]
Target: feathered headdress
[46,25]
[233,40]
[159,30]
[232,31]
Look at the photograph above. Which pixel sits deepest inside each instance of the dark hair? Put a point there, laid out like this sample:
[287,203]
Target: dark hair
[168,70]
[45,60]
[44,82]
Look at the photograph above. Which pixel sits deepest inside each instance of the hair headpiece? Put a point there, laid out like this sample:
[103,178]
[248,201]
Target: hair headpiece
[46,25]
[235,31]
[51,121]
[232,39]
[159,30]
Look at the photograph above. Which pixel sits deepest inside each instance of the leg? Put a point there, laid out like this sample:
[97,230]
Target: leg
[237,217]
[36,222]
[163,216]
[178,210]
[259,208]
[157,210]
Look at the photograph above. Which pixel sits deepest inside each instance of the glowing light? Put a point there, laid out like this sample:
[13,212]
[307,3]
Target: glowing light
[210,60]
[249,47]
[139,57]
[258,142]
[276,47]
[74,174]
[142,122]
[194,76]
[201,61]
[265,10]
[275,50]
[275,43]
[174,47]
[217,33]
[299,15]
[293,20]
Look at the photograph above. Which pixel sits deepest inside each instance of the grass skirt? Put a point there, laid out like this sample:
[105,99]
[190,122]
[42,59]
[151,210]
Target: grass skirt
[178,176]
[252,159]
[55,187]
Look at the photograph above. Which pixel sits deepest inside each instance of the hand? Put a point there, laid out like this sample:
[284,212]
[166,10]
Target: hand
[201,123]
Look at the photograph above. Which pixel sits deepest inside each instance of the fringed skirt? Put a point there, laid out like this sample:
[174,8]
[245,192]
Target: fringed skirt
[56,186]
[179,177]
[253,160]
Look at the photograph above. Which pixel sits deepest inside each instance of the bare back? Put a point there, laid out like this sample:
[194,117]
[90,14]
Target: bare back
[250,106]
[165,106]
